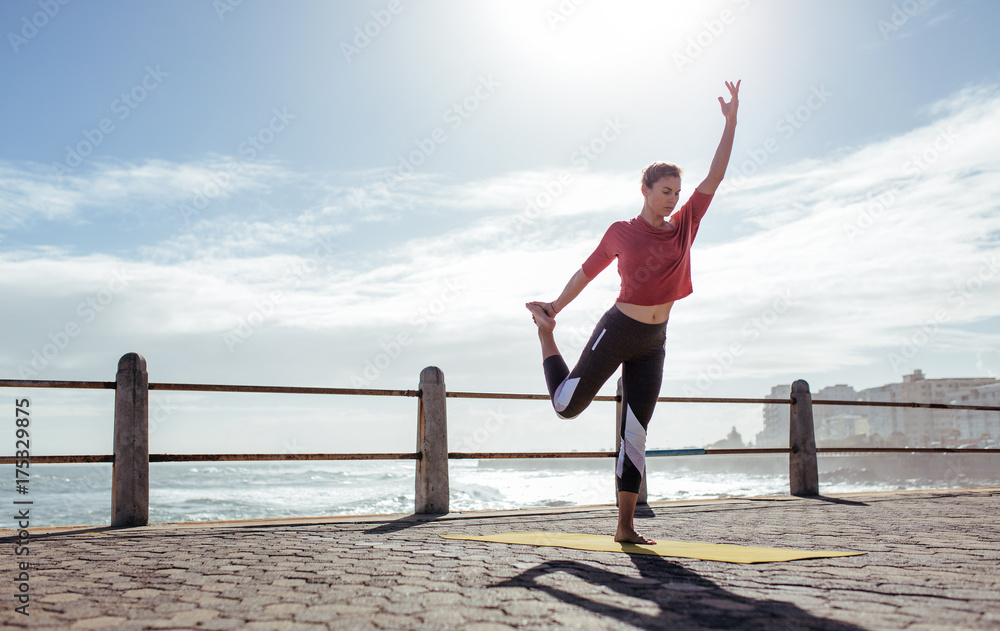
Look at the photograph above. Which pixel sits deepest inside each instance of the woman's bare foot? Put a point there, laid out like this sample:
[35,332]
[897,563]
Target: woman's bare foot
[631,536]
[544,321]
[626,509]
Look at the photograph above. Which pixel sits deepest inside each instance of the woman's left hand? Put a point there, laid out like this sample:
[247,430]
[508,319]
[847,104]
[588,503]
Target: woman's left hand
[729,109]
[546,307]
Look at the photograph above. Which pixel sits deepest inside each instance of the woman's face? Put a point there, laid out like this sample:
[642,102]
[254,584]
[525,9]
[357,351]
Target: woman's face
[663,196]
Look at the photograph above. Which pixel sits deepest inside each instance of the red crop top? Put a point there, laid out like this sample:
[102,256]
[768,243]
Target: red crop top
[654,263]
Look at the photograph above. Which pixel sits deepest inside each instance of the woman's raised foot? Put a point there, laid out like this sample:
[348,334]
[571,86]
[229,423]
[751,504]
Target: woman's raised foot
[543,320]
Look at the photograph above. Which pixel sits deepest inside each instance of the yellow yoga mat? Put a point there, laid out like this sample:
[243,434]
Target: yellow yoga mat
[685,549]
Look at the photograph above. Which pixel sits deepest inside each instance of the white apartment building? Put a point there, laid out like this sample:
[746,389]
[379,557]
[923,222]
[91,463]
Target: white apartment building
[922,426]
[975,425]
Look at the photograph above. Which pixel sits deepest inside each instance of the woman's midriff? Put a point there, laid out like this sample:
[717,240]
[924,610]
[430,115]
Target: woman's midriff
[651,314]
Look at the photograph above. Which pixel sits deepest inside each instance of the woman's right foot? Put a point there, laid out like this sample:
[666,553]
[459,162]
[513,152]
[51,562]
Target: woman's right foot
[628,535]
[544,322]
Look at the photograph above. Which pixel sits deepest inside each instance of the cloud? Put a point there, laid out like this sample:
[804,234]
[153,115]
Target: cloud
[878,237]
[31,193]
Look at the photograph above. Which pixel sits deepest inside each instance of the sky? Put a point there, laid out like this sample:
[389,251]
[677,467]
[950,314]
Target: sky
[341,194]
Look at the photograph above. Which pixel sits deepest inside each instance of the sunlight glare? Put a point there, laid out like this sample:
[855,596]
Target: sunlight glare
[585,41]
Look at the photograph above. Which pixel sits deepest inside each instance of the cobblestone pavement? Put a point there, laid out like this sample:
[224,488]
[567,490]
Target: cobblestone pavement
[933,562]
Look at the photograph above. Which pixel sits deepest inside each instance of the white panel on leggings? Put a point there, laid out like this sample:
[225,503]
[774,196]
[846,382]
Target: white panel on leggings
[564,393]
[635,440]
[598,341]
[621,461]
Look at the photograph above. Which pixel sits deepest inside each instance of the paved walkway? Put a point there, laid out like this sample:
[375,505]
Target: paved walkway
[933,562]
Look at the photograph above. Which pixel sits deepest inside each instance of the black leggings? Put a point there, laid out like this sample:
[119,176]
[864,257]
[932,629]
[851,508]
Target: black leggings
[617,339]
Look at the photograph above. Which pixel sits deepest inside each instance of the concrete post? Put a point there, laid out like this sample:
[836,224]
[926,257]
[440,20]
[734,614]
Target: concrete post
[432,444]
[803,472]
[130,472]
[618,446]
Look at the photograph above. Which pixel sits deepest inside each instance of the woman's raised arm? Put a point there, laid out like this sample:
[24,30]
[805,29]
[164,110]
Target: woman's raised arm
[721,160]
[573,288]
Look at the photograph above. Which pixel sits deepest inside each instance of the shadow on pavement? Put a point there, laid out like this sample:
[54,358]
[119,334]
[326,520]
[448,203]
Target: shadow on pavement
[682,598]
[63,532]
[408,521]
[835,500]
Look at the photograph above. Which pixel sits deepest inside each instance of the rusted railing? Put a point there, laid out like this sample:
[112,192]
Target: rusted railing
[131,457]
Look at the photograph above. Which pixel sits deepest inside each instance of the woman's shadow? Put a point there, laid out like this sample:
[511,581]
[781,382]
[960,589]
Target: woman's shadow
[683,598]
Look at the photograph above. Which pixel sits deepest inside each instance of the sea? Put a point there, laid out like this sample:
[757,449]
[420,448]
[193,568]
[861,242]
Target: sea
[80,494]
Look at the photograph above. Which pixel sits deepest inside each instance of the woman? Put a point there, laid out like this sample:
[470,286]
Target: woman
[653,252]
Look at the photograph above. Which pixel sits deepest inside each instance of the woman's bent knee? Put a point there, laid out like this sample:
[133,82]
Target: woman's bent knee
[570,411]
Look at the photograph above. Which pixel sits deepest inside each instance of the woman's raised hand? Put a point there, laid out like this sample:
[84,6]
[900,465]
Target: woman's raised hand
[729,109]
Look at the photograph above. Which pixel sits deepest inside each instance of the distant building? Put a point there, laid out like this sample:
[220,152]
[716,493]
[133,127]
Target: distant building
[977,425]
[732,441]
[775,432]
[919,426]
[839,392]
[840,427]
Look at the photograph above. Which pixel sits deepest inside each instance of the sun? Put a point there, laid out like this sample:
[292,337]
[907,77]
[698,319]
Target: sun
[583,40]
